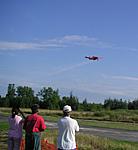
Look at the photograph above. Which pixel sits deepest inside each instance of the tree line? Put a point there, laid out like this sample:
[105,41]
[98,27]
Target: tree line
[48,98]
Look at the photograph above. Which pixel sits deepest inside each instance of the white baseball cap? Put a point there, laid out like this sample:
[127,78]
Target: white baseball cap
[67,108]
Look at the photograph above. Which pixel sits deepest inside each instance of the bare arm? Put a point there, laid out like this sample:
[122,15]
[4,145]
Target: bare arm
[22,114]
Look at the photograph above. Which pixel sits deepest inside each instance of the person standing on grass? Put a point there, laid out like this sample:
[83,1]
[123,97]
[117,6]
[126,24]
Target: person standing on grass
[67,128]
[15,129]
[33,125]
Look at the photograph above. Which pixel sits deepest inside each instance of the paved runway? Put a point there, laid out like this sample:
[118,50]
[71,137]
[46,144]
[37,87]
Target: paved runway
[118,134]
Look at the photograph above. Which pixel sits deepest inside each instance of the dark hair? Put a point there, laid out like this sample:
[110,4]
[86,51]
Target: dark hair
[66,113]
[35,108]
[15,111]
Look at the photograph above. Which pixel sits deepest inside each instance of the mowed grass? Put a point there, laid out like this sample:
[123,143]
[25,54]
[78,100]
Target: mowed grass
[84,141]
[110,124]
[108,119]
[3,135]
[119,119]
[90,142]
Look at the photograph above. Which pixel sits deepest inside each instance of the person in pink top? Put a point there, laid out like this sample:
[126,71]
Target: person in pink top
[15,130]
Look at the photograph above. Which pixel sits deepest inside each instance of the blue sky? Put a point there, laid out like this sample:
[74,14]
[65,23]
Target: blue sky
[43,44]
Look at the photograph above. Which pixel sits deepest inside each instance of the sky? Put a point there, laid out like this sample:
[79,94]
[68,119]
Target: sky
[43,43]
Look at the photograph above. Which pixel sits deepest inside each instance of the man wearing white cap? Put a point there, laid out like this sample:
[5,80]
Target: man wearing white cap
[67,128]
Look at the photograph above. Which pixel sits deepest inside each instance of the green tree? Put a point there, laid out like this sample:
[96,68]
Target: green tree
[115,104]
[71,100]
[50,98]
[63,102]
[25,96]
[10,96]
[85,105]
[3,101]
[133,104]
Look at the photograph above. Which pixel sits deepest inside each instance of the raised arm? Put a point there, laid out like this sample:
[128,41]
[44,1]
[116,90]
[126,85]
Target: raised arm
[22,114]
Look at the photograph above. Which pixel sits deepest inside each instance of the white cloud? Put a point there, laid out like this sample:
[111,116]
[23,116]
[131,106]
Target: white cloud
[84,88]
[107,90]
[80,40]
[60,42]
[129,78]
[125,78]
[68,68]
[24,46]
[65,41]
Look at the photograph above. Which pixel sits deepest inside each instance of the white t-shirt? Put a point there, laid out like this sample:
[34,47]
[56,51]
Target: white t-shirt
[66,136]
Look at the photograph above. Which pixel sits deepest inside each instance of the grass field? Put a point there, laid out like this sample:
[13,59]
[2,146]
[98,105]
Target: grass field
[84,141]
[128,118]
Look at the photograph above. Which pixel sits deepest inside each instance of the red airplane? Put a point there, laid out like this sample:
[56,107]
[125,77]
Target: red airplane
[92,57]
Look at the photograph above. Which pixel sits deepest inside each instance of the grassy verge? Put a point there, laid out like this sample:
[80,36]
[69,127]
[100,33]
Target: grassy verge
[3,135]
[89,142]
[84,141]
[109,124]
[96,119]
[102,124]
